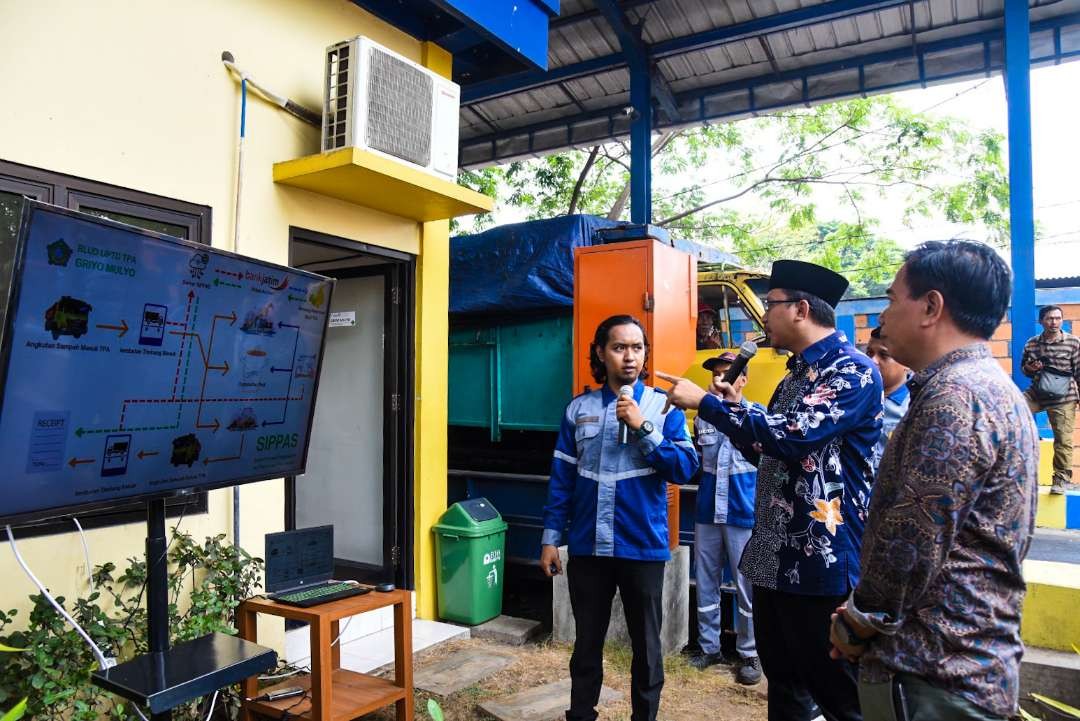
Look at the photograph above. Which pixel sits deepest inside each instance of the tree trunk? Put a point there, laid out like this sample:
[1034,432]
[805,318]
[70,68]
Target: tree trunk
[619,205]
[620,202]
[663,140]
[576,195]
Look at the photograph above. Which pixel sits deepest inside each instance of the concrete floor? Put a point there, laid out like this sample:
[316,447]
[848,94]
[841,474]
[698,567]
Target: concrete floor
[1050,544]
[367,642]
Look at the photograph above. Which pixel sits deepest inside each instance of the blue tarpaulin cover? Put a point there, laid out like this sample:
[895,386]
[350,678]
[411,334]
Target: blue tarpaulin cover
[530,266]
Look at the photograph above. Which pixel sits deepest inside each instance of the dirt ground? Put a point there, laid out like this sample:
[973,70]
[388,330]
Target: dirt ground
[688,694]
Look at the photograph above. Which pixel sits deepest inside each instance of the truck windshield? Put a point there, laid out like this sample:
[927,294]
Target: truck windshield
[723,320]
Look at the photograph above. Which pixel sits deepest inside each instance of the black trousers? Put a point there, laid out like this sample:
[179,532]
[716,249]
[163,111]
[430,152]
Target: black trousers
[592,582]
[792,633]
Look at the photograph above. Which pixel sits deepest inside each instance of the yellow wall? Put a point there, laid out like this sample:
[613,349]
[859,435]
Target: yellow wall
[135,94]
[1053,591]
[432,397]
[431,405]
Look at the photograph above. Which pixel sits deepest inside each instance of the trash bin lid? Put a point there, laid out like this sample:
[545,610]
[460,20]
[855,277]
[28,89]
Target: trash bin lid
[479,509]
[472,517]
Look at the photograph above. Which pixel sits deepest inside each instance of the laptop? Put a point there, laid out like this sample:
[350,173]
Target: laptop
[299,567]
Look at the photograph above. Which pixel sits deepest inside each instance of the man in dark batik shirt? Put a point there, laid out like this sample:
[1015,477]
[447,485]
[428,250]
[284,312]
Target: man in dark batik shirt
[814,448]
[935,618]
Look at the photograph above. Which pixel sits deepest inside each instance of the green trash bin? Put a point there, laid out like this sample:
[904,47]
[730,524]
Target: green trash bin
[469,541]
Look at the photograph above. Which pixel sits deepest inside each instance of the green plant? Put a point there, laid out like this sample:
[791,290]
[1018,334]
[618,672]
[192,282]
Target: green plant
[16,713]
[18,710]
[53,674]
[433,709]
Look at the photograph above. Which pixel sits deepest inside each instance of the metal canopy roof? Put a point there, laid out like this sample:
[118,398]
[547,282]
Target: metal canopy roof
[487,38]
[717,59]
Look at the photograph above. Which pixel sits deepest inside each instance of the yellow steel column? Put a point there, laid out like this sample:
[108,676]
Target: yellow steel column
[432,358]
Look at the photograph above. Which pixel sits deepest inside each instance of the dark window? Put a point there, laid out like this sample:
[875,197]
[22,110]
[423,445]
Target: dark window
[150,212]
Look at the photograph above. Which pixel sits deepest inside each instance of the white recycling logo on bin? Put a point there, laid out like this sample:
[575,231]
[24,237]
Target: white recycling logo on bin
[491,557]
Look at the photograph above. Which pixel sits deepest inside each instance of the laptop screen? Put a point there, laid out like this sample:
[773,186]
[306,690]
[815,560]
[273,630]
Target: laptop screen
[298,558]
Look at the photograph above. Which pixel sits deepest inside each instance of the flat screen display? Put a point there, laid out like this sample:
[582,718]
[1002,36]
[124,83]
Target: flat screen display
[137,364]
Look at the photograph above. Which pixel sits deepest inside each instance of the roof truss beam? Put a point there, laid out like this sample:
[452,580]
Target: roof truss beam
[637,55]
[567,20]
[812,15]
[697,109]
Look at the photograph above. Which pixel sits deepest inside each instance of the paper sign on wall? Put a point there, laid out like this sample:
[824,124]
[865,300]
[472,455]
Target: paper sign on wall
[342,318]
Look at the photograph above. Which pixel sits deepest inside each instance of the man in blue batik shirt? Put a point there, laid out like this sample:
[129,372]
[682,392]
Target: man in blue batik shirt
[815,470]
[613,496]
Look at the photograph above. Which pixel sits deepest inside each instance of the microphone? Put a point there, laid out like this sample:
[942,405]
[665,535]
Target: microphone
[624,430]
[746,351]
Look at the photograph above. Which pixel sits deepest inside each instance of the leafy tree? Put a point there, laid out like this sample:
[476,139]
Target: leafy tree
[867,259]
[782,169]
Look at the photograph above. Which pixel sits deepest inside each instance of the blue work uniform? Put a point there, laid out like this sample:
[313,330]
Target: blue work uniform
[613,495]
[612,500]
[728,481]
[724,519]
[896,405]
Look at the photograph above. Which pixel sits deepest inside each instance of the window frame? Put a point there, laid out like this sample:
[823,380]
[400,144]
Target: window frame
[77,193]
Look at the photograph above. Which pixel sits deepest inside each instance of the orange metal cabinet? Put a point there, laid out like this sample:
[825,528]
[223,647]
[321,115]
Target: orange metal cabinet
[657,285]
[653,282]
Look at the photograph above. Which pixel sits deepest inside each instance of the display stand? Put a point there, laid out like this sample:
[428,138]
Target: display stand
[332,692]
[164,678]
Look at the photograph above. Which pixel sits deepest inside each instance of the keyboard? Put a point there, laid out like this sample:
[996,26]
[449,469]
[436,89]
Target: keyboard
[320,594]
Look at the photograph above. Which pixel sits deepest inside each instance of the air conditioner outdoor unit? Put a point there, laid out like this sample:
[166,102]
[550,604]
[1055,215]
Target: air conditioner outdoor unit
[381,102]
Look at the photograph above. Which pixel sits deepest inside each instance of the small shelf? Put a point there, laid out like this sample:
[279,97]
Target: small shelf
[355,694]
[364,178]
[186,671]
[339,694]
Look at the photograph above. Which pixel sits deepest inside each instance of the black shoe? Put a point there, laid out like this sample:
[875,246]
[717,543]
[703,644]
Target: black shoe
[705,660]
[1058,489]
[691,650]
[749,671]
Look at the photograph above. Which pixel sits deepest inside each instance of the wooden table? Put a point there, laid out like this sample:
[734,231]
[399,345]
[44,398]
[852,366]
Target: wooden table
[336,694]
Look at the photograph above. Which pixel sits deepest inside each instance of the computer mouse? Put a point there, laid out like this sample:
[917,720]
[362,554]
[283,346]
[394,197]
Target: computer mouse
[384,587]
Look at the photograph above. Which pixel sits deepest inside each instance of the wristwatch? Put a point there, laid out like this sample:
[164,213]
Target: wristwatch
[645,429]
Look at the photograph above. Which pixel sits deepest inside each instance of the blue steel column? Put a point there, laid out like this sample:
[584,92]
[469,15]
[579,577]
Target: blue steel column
[641,141]
[1021,202]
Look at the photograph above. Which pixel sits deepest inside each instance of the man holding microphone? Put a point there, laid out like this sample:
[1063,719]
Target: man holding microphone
[814,448]
[617,449]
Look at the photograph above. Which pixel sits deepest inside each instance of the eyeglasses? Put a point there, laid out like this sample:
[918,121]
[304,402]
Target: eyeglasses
[769,304]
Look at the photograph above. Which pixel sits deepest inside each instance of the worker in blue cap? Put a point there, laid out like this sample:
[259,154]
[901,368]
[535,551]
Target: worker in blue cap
[723,521]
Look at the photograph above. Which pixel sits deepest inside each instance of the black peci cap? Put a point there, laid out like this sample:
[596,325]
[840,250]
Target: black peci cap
[809,278]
